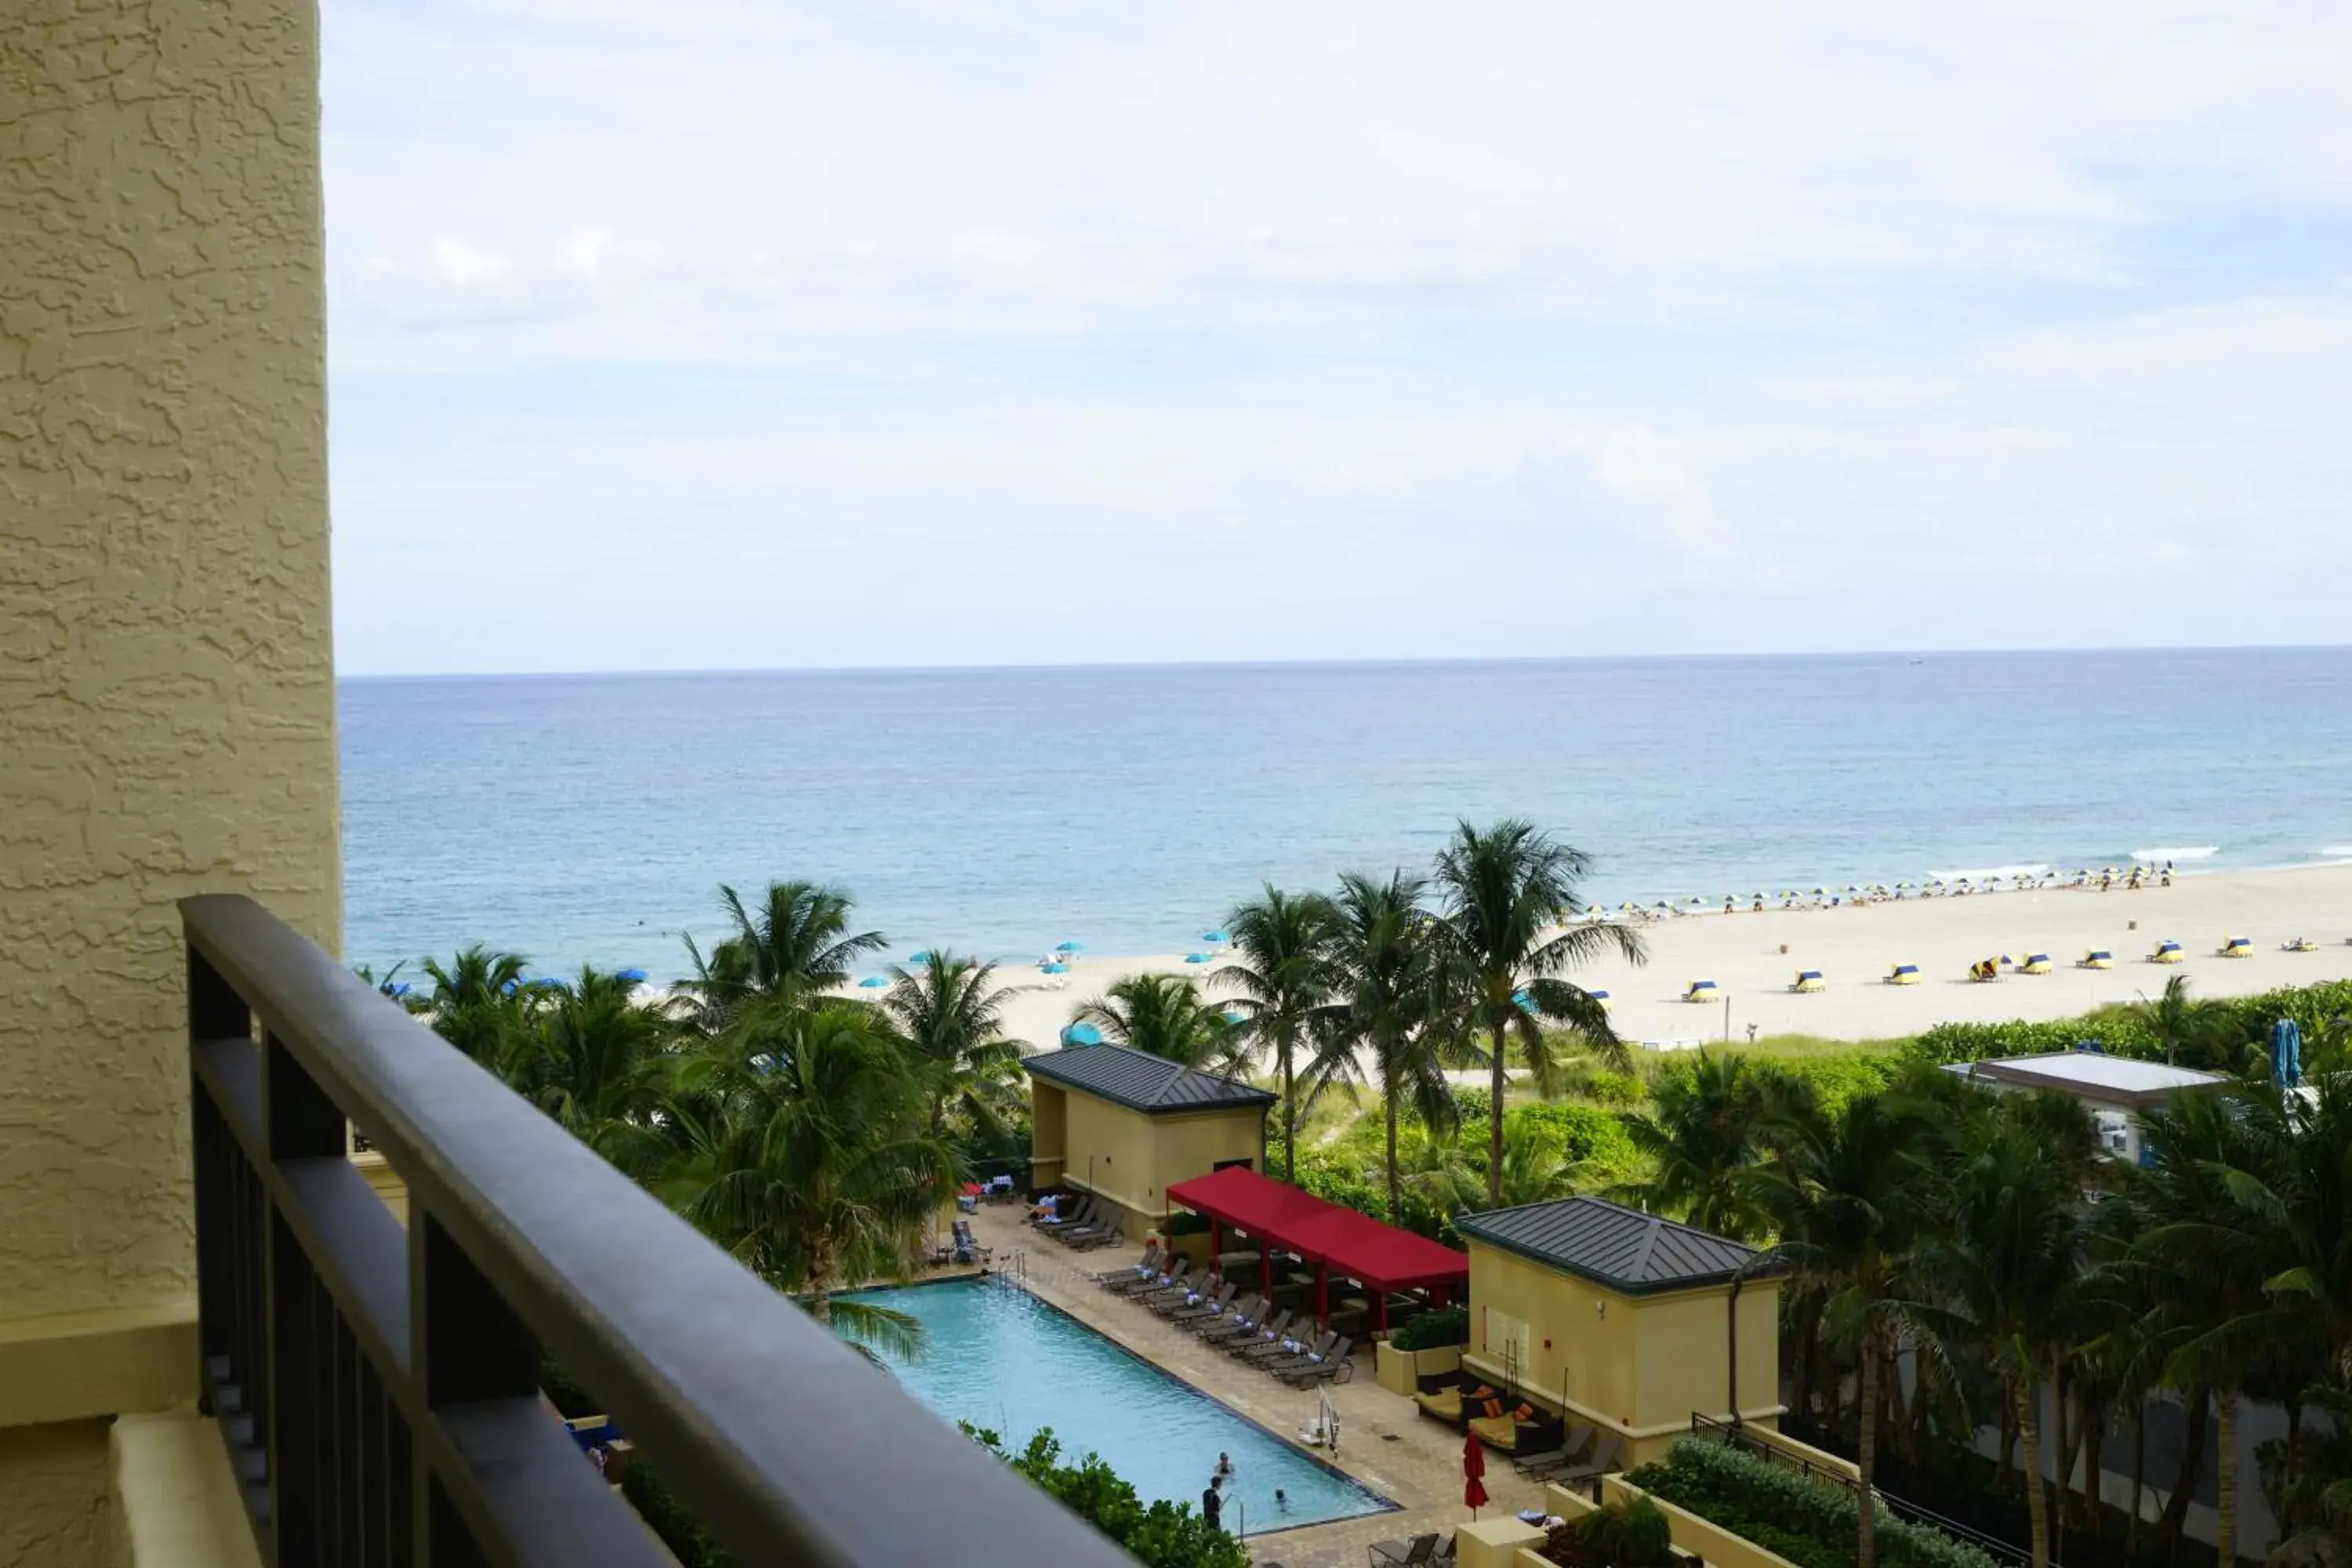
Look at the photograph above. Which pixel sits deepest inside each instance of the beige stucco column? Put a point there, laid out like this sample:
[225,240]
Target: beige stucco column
[166,664]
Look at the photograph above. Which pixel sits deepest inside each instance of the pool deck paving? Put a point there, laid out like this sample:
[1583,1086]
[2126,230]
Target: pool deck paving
[1385,1442]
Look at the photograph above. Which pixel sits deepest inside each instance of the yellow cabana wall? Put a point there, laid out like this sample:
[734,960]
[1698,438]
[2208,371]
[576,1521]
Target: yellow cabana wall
[1639,1365]
[1132,1159]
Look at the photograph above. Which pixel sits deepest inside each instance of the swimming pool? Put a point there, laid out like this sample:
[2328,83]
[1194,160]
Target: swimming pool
[997,1357]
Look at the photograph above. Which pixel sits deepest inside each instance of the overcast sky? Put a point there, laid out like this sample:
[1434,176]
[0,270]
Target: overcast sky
[743,333]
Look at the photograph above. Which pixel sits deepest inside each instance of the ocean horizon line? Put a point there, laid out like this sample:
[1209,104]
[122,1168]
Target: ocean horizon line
[1433,661]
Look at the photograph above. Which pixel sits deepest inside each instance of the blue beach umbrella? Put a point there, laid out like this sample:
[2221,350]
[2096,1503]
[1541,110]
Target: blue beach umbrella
[1526,1002]
[1235,1018]
[1216,936]
[633,976]
[2286,1053]
[1082,1035]
[1069,947]
[1053,969]
[1196,958]
[401,988]
[873,983]
[922,957]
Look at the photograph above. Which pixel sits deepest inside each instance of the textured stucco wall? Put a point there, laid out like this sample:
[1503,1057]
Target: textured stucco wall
[56,1503]
[166,679]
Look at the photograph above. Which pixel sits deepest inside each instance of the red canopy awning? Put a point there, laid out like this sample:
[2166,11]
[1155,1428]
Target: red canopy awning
[1346,1243]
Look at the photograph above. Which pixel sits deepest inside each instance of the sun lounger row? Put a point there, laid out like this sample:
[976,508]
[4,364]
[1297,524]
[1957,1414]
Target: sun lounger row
[1249,1330]
[1091,1225]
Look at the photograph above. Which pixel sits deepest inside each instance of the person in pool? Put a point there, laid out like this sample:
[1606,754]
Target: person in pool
[1225,1464]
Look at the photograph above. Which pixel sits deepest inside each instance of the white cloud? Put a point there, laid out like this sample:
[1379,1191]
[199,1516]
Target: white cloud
[1864,325]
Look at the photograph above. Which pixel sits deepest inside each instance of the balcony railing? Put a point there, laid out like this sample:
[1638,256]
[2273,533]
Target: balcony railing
[379,1389]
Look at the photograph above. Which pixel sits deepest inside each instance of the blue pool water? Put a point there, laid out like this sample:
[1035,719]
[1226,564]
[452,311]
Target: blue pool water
[997,1357]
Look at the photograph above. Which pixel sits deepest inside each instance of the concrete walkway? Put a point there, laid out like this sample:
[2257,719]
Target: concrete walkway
[1384,1441]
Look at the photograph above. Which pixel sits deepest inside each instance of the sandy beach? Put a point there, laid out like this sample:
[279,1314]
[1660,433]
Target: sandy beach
[1854,947]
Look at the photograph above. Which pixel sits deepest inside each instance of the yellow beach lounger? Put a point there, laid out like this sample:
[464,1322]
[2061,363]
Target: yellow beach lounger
[1903,974]
[2238,947]
[2035,963]
[1808,981]
[1701,990]
[2097,958]
[2167,952]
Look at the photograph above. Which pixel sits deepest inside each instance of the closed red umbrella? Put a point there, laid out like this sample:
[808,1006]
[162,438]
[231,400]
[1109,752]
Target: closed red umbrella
[1474,1466]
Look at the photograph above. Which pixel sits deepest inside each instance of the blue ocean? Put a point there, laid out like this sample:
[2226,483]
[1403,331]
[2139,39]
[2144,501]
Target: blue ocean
[592,819]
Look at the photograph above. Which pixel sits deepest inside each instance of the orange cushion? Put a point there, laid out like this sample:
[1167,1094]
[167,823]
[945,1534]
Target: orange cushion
[1524,1412]
[1481,1392]
[1494,1407]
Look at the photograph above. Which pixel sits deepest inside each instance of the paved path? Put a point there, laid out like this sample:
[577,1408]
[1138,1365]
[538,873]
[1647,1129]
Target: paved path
[1384,1441]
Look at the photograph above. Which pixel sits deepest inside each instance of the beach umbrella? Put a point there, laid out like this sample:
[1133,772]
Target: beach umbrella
[1054,968]
[873,983]
[1196,958]
[1069,947]
[1216,936]
[2286,1053]
[1082,1035]
[1234,1018]
[633,976]
[401,988]
[922,957]
[1474,1475]
[1524,1002]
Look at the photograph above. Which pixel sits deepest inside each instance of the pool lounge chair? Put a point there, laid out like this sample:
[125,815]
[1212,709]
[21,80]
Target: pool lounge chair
[1142,1285]
[1085,1222]
[1327,1354]
[1078,1215]
[1186,1284]
[1290,1349]
[1208,1306]
[1237,1340]
[1250,1310]
[1603,1460]
[1417,1553]
[1132,1274]
[1570,1450]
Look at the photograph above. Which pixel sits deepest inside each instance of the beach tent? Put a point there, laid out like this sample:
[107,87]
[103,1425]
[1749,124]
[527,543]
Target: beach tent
[2035,963]
[2167,952]
[2098,958]
[1701,990]
[2238,947]
[1903,974]
[1598,995]
[1082,1035]
[1809,981]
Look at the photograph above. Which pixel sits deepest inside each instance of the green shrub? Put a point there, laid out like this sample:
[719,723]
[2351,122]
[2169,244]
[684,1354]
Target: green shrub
[1159,1535]
[1634,1534]
[1586,1134]
[668,1519]
[1811,1523]
[1434,1330]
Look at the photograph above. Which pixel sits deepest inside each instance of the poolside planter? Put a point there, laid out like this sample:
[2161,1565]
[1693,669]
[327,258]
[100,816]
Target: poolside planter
[1702,1538]
[1399,1371]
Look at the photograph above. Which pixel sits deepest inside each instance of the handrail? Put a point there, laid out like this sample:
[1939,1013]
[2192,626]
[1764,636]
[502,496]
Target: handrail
[379,1392]
[1901,1507]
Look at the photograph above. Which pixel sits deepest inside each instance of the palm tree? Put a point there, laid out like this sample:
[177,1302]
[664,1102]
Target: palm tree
[796,946]
[477,1002]
[1702,1141]
[1846,1203]
[1280,963]
[2206,1253]
[1387,1008]
[2193,1031]
[1166,1015]
[804,1152]
[950,1014]
[2004,1256]
[1509,893]
[1451,1181]
[595,1057]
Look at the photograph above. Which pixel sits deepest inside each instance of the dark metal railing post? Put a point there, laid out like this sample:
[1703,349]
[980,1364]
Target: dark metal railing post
[469,1348]
[300,1122]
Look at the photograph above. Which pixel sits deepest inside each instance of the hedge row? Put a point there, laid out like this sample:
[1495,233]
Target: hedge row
[1812,1524]
[2126,1031]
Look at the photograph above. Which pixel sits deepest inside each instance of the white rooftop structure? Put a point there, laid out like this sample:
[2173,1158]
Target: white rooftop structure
[2092,1075]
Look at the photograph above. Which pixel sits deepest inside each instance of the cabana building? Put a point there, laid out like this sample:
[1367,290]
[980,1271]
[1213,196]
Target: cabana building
[1126,1125]
[1329,1257]
[1624,1319]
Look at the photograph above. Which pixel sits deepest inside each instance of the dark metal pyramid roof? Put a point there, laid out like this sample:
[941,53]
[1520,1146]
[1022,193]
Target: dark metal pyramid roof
[1630,1252]
[1141,1081]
